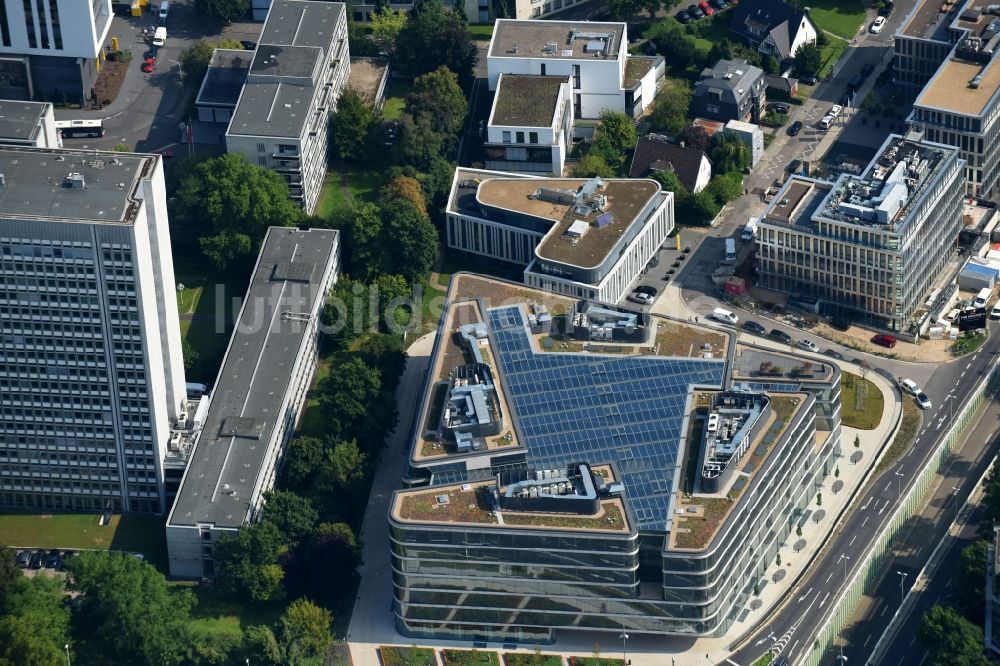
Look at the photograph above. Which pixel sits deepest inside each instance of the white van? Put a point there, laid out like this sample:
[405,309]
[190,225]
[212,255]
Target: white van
[982,298]
[160,37]
[826,122]
[725,316]
[164,10]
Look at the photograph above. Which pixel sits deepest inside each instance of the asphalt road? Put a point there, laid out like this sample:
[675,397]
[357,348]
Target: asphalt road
[796,624]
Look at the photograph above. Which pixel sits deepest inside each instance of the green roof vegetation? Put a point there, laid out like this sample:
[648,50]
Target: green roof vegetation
[527,101]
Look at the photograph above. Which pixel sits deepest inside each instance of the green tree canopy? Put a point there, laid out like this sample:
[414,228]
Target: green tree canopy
[437,96]
[293,515]
[433,38]
[592,165]
[305,633]
[260,646]
[10,573]
[328,562]
[971,579]
[224,10]
[246,564]
[130,610]
[410,239]
[623,10]
[352,126]
[725,187]
[346,397]
[670,108]
[614,138]
[729,153]
[673,42]
[195,58]
[951,639]
[302,461]
[229,204]
[703,209]
[405,188]
[34,624]
[420,141]
[808,59]
[386,24]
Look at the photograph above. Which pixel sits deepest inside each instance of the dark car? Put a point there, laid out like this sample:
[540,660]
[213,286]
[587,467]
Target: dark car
[795,166]
[833,353]
[884,340]
[695,12]
[53,560]
[718,4]
[676,264]
[751,326]
[686,250]
[37,559]
[779,107]
[646,289]
[23,558]
[795,128]
[249,46]
[855,83]
[780,336]
[808,80]
[683,16]
[680,257]
[886,9]
[867,70]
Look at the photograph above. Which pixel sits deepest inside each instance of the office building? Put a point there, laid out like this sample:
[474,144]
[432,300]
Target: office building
[531,124]
[945,51]
[587,238]
[299,68]
[869,247]
[28,124]
[91,372]
[257,398]
[222,85]
[593,55]
[731,90]
[52,50]
[576,507]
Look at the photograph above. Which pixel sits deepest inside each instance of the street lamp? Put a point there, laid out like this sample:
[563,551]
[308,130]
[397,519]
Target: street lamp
[624,638]
[954,494]
[841,658]
[902,577]
[66,647]
[845,558]
[180,70]
[899,482]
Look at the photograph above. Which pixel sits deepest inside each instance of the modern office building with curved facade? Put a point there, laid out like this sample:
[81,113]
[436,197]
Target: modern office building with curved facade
[644,473]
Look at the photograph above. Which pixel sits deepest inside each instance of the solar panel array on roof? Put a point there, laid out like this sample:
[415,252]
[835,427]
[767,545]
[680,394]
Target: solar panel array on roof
[603,220]
[595,408]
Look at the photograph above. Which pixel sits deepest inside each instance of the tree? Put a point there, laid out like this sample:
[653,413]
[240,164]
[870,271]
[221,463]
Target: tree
[132,613]
[410,238]
[346,397]
[326,564]
[725,187]
[419,141]
[990,503]
[213,649]
[189,354]
[614,138]
[433,38]
[771,65]
[35,622]
[623,10]
[438,96]
[387,353]
[721,50]
[229,204]
[305,632]
[246,564]
[950,638]
[352,126]
[670,108]
[405,188]
[386,25]
[195,58]
[10,574]
[302,461]
[224,10]
[346,465]
[808,60]
[703,208]
[676,45]
[971,579]
[293,515]
[361,225]
[729,153]
[260,646]
[592,165]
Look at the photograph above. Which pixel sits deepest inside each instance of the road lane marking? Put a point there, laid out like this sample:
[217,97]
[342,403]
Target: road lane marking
[884,608]
[962,375]
[910,453]
[887,487]
[827,580]
[969,365]
[866,641]
[852,541]
[824,599]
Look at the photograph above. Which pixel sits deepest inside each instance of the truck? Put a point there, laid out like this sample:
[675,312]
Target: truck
[750,230]
[730,251]
[160,37]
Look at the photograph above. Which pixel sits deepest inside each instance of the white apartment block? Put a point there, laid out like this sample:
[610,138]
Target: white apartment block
[257,398]
[299,68]
[583,238]
[531,124]
[52,49]
[91,370]
[594,56]
[28,124]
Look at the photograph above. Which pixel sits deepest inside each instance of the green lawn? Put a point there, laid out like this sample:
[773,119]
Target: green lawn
[841,17]
[470,658]
[396,98]
[909,425]
[132,532]
[215,614]
[532,659]
[330,197]
[392,655]
[869,416]
[482,32]
[715,31]
[830,55]
[311,423]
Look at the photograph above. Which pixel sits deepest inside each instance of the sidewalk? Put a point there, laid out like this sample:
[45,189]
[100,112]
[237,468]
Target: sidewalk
[372,622]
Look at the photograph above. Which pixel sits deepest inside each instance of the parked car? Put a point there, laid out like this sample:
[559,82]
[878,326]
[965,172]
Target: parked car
[922,400]
[641,298]
[909,386]
[995,312]
[779,107]
[680,257]
[855,83]
[808,345]
[794,128]
[835,110]
[884,340]
[780,336]
[695,12]
[683,16]
[867,70]
[23,558]
[686,250]
[646,289]
[249,46]
[705,7]
[754,328]
[886,10]
[37,559]
[53,560]
[833,353]
[148,64]
[877,25]
[719,4]
[724,316]
[808,80]
[795,166]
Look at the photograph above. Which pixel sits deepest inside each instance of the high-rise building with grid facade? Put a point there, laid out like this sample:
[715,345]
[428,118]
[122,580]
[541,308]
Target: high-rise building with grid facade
[91,372]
